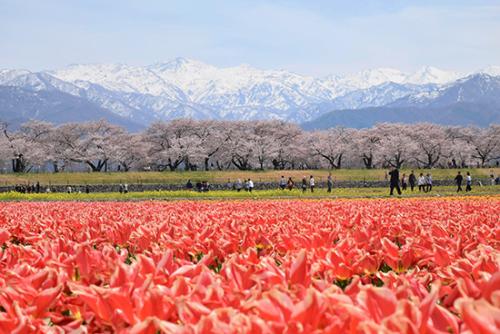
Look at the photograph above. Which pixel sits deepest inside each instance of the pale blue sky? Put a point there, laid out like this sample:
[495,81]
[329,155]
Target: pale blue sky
[308,37]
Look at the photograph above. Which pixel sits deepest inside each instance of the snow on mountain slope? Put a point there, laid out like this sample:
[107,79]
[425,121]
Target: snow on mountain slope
[380,95]
[189,88]
[7,75]
[342,84]
[242,91]
[123,78]
[429,74]
[473,100]
[38,81]
[491,70]
[475,88]
[201,81]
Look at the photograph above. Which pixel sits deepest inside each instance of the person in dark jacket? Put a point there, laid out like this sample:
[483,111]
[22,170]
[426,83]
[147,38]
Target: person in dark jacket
[329,182]
[458,180]
[394,181]
[412,179]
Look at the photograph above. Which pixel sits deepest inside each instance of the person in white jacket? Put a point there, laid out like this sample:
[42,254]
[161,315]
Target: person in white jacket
[311,183]
[468,182]
[250,185]
[421,182]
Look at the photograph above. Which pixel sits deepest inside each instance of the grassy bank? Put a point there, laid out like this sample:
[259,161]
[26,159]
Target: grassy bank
[221,176]
[262,194]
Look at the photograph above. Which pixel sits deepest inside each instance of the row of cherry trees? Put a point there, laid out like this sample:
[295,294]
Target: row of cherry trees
[203,145]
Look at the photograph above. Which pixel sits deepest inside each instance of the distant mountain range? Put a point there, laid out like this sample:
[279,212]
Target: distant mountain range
[134,96]
[474,100]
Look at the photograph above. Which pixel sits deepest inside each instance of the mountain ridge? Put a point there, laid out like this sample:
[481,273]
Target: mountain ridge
[474,100]
[188,88]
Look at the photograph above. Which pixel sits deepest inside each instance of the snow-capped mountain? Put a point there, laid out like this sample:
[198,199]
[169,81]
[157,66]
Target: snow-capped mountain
[473,100]
[189,88]
[471,89]
[380,95]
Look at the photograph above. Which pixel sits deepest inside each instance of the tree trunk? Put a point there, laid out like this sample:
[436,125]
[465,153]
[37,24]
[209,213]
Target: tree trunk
[97,167]
[18,164]
[368,161]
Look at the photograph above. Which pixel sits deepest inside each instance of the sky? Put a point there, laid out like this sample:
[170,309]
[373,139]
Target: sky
[308,37]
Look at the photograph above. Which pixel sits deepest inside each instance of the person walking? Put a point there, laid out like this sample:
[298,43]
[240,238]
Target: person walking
[458,181]
[421,182]
[428,182]
[394,181]
[189,185]
[412,180]
[290,183]
[304,184]
[247,185]
[468,182]
[403,182]
[329,182]
[282,183]
[125,188]
[250,185]
[311,183]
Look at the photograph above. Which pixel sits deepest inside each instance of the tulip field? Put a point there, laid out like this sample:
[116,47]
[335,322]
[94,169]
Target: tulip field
[416,265]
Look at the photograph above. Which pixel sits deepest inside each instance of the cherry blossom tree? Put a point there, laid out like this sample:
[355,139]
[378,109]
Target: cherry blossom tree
[366,145]
[395,144]
[29,146]
[193,144]
[429,143]
[458,146]
[92,143]
[289,150]
[173,144]
[332,145]
[212,135]
[131,152]
[485,143]
[239,146]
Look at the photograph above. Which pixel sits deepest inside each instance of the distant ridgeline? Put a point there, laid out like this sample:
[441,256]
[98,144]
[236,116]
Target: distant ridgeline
[187,144]
[134,97]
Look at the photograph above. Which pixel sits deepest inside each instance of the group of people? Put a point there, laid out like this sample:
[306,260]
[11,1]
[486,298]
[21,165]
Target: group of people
[305,183]
[29,188]
[201,186]
[37,188]
[424,182]
[79,190]
[239,185]
[468,182]
[123,188]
